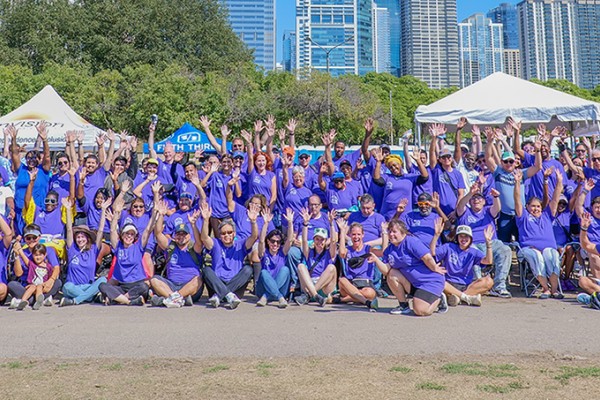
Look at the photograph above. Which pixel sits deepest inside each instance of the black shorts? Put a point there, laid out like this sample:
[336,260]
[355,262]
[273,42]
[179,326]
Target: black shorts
[423,295]
[458,286]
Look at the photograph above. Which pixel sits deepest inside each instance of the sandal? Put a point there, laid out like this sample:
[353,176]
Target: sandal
[558,295]
[544,296]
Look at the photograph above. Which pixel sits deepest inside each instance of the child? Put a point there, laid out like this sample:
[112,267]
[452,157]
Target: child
[39,273]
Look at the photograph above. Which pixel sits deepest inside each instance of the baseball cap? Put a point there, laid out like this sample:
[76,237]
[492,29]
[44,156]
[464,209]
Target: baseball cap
[345,162]
[424,197]
[445,152]
[563,198]
[321,232]
[152,161]
[338,175]
[508,155]
[129,228]
[304,151]
[289,150]
[31,231]
[464,230]
[186,195]
[238,154]
[385,146]
[182,228]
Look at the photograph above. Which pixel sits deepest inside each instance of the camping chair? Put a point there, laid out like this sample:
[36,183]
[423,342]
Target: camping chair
[528,280]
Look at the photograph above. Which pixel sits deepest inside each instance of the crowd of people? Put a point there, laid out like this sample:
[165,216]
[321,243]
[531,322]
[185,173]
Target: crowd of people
[436,228]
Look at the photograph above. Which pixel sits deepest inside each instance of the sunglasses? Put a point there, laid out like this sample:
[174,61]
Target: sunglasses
[275,241]
[580,151]
[508,161]
[226,233]
[138,207]
[445,156]
[50,201]
[315,204]
[338,181]
[61,163]
[423,204]
[303,157]
[28,238]
[595,158]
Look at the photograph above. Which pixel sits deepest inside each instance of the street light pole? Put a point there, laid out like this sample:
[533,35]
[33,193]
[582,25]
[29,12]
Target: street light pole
[327,53]
[391,121]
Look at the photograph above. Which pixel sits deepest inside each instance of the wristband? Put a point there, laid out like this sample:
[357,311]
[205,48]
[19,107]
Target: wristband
[585,191]
[583,229]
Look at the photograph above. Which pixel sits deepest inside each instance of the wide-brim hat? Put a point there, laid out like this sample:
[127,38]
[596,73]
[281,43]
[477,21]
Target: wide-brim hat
[85,229]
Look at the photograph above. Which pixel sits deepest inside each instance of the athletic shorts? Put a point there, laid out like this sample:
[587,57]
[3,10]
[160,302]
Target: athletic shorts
[423,295]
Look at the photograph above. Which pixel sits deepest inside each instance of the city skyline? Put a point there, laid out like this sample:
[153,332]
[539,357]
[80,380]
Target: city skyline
[286,16]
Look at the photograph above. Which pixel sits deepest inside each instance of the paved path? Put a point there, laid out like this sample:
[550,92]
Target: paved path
[499,327]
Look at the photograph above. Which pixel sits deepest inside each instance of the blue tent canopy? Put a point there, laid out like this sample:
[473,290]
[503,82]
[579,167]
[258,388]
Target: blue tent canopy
[186,139]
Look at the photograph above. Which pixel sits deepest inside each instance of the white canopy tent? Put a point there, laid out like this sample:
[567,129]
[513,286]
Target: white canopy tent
[48,106]
[492,100]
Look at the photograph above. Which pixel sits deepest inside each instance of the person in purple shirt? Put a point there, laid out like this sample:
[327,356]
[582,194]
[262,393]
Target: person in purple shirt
[91,177]
[228,273]
[478,216]
[339,195]
[93,209]
[593,232]
[180,216]
[83,248]
[183,283]
[317,274]
[61,181]
[421,223]
[370,221]
[536,236]
[397,185]
[239,213]
[128,277]
[216,182]
[261,180]
[32,236]
[296,194]
[7,236]
[39,273]
[589,284]
[273,282]
[356,284]
[410,268]
[190,183]
[459,259]
[144,180]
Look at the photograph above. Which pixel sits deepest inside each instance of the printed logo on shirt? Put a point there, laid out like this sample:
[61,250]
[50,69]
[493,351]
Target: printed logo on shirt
[471,219]
[122,254]
[454,258]
[389,185]
[334,199]
[416,223]
[267,262]
[184,186]
[75,260]
[391,260]
[128,220]
[219,183]
[293,191]
[256,179]
[56,184]
[174,258]
[178,221]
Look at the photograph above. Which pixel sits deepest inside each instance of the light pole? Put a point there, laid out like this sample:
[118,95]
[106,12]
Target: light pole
[391,121]
[327,53]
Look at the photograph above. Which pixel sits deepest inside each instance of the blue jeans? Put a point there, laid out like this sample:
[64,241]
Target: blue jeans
[294,257]
[543,263]
[273,288]
[502,262]
[84,292]
[507,227]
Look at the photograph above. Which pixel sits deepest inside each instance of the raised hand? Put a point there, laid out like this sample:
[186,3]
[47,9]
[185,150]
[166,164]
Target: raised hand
[342,225]
[326,139]
[267,215]
[156,186]
[126,186]
[281,134]
[402,205]
[253,211]
[475,130]
[195,180]
[589,184]
[377,154]
[225,131]
[118,205]
[11,131]
[359,163]
[384,226]
[514,124]
[110,135]
[133,142]
[205,122]
[475,188]
[66,202]
[332,215]
[586,220]
[289,215]
[488,233]
[199,153]
[489,133]
[193,217]
[541,130]
[42,129]
[33,174]
[586,142]
[178,157]
[537,145]
[509,130]
[107,203]
[369,126]
[494,192]
[305,214]
[518,174]
[72,171]
[246,136]
[332,134]
[438,226]
[461,123]
[205,210]
[109,215]
[435,200]
[548,172]
[258,126]
[291,125]
[100,139]
[270,122]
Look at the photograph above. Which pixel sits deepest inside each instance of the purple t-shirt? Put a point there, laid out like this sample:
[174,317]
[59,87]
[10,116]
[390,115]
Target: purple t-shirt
[458,263]
[243,227]
[478,222]
[128,264]
[426,187]
[183,185]
[3,263]
[371,224]
[316,263]
[164,171]
[93,215]
[296,198]
[536,232]
[561,226]
[444,184]
[228,261]
[422,227]
[260,184]
[536,182]
[396,188]
[594,230]
[61,184]
[51,258]
[273,263]
[364,271]
[181,267]
[50,223]
[313,223]
[82,264]
[94,182]
[342,199]
[406,257]
[178,217]
[351,157]
[217,184]
[147,194]
[32,273]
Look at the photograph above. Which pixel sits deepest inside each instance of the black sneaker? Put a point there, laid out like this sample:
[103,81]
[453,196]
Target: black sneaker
[138,301]
[65,301]
[39,301]
[301,299]
[22,304]
[188,301]
[443,306]
[156,301]
[373,305]
[322,300]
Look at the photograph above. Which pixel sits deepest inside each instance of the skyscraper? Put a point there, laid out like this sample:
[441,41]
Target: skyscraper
[588,34]
[512,62]
[393,35]
[548,39]
[480,51]
[506,14]
[289,51]
[341,28]
[381,39]
[254,22]
[429,41]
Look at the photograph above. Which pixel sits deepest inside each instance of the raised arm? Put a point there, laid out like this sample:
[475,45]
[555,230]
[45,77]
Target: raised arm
[537,166]
[305,221]
[289,238]
[15,158]
[488,234]
[435,204]
[585,222]
[588,185]
[558,189]
[489,151]
[229,191]
[68,204]
[249,150]
[434,132]
[477,145]
[461,206]
[205,122]
[517,194]
[364,148]
[267,217]
[206,212]
[105,206]
[291,127]
[458,139]
[29,191]
[42,129]
[110,135]
[438,229]
[253,212]
[516,137]
[161,239]
[333,240]
[100,140]
[151,133]
[545,195]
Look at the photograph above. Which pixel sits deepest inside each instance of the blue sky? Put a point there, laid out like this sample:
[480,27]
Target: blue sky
[286,14]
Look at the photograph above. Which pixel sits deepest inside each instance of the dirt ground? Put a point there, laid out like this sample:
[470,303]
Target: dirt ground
[532,376]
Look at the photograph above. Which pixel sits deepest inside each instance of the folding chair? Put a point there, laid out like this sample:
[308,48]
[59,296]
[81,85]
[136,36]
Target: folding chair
[528,280]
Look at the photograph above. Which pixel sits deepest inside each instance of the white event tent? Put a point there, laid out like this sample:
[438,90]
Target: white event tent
[493,99]
[48,106]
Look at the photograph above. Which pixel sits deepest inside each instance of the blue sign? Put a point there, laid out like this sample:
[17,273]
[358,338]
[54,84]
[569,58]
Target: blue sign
[186,139]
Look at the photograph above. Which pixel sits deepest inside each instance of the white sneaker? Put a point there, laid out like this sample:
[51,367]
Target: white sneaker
[14,303]
[474,300]
[48,302]
[262,301]
[233,300]
[175,300]
[214,301]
